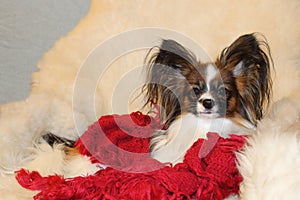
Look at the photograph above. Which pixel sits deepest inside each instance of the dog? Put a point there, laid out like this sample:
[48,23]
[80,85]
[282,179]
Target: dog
[228,96]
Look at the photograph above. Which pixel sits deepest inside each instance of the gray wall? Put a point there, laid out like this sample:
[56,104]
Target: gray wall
[28,28]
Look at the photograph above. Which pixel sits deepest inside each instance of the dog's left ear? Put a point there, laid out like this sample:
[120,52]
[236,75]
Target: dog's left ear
[248,59]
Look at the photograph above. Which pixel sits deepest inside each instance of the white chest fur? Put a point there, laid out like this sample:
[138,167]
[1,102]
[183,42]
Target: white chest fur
[172,144]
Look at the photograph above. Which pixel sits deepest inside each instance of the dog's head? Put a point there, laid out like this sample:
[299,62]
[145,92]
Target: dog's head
[238,83]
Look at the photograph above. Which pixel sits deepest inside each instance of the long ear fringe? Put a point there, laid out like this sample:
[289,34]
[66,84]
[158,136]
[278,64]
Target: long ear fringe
[254,52]
[164,77]
[165,65]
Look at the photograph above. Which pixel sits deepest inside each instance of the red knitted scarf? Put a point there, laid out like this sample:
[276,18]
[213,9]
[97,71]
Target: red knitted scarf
[121,142]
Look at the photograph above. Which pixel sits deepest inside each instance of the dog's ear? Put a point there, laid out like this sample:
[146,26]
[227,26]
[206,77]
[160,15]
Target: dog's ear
[167,70]
[248,59]
[171,61]
[174,55]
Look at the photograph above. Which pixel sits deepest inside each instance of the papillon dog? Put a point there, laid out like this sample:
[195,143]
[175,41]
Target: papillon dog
[228,96]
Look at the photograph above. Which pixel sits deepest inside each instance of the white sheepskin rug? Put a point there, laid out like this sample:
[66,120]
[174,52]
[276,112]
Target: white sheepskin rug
[96,70]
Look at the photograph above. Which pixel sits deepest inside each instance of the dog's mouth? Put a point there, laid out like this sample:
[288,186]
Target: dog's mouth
[209,113]
[206,112]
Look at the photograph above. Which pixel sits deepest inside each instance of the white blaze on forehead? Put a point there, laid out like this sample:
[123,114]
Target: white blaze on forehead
[211,73]
[206,95]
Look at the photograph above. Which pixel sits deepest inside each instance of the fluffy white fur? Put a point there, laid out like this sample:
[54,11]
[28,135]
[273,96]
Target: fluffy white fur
[270,163]
[173,143]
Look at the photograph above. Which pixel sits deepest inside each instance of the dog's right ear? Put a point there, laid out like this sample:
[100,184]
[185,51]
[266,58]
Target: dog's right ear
[171,60]
[174,55]
[166,73]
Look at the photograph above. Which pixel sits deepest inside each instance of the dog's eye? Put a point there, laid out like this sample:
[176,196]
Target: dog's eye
[196,90]
[222,90]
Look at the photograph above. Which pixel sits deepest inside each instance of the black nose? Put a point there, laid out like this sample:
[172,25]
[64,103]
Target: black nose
[208,103]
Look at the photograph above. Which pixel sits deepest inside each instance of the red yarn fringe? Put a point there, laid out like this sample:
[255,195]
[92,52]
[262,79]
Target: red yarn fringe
[208,172]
